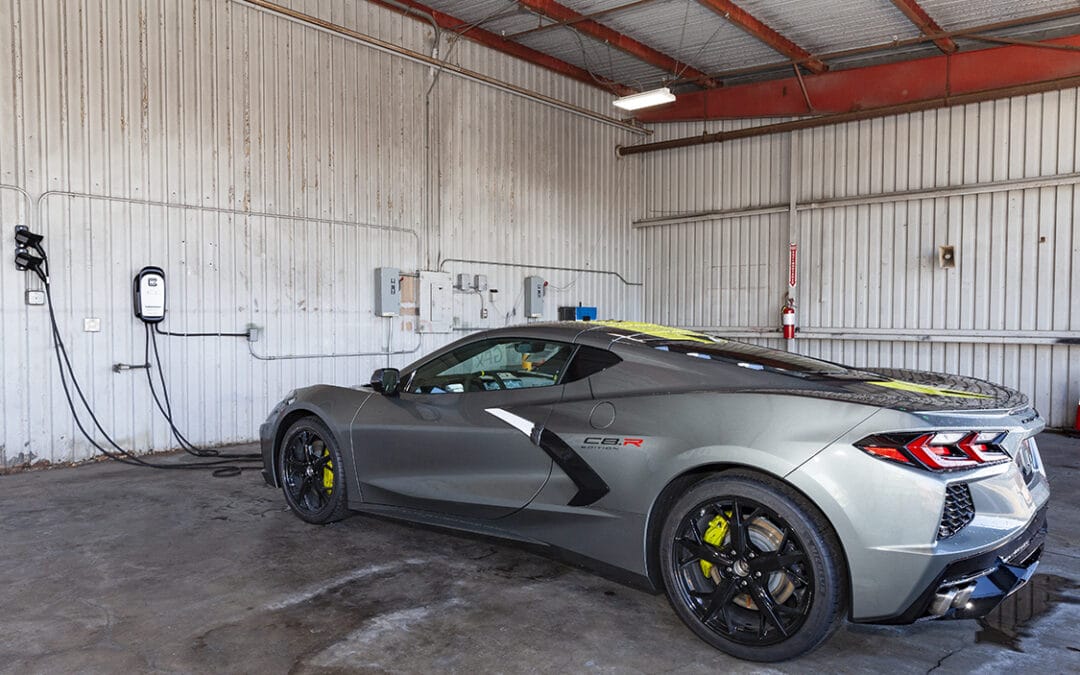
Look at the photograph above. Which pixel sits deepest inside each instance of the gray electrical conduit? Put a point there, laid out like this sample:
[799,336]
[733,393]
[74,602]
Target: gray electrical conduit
[29,202]
[255,214]
[318,24]
[467,261]
[285,357]
[1009,185]
[426,17]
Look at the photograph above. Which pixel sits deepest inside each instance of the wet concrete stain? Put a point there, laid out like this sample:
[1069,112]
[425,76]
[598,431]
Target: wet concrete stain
[335,616]
[1010,622]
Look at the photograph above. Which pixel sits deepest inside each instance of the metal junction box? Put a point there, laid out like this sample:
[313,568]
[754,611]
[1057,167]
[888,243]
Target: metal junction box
[534,297]
[387,291]
[436,302]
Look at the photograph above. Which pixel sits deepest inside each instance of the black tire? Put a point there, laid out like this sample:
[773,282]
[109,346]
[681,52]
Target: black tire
[783,593]
[312,475]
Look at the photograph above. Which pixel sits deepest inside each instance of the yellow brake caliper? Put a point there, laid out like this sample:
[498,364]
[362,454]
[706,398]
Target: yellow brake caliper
[714,536]
[328,473]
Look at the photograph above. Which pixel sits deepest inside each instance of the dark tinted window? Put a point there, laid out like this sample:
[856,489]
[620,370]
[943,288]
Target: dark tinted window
[753,357]
[589,361]
[490,365]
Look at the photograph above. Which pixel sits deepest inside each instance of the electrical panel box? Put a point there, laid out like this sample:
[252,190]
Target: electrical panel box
[464,282]
[387,291]
[480,282]
[149,292]
[436,303]
[534,297]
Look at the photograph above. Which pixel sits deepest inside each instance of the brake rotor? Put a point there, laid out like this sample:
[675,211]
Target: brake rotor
[766,537]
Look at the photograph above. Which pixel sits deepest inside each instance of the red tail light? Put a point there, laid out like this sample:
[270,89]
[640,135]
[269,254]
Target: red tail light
[938,450]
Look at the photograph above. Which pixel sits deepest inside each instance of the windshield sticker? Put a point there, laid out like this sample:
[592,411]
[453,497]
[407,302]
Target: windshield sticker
[927,389]
[657,331]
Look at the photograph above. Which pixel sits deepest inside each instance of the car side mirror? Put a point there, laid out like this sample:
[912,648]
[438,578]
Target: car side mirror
[385,380]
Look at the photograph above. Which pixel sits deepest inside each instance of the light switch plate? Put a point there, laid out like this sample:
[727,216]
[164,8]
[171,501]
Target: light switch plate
[91,325]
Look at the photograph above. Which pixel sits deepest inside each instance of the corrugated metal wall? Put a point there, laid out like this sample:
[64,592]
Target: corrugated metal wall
[871,291]
[261,163]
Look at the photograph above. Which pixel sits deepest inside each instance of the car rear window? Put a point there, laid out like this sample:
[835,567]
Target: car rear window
[752,357]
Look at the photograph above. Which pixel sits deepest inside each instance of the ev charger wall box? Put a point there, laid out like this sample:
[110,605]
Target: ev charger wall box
[149,287]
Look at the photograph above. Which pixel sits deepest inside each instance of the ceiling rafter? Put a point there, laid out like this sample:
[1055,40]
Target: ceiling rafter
[1030,20]
[914,82]
[498,43]
[743,19]
[918,16]
[591,15]
[576,21]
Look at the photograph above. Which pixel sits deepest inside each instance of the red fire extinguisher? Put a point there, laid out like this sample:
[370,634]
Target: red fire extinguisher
[787,319]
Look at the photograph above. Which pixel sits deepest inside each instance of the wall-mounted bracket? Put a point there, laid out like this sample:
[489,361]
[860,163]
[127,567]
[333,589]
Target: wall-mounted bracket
[21,251]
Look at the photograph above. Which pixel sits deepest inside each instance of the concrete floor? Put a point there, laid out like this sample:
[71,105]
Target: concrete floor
[108,568]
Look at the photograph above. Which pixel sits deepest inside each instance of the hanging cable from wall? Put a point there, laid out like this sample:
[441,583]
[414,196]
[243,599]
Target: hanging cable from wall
[220,464]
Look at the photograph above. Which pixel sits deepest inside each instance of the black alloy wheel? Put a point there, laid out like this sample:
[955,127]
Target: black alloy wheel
[309,464]
[752,568]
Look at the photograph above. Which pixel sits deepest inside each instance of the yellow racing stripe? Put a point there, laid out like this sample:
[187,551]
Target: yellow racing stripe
[658,331]
[927,389]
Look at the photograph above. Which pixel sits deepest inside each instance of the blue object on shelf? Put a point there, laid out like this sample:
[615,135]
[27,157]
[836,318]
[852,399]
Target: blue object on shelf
[585,313]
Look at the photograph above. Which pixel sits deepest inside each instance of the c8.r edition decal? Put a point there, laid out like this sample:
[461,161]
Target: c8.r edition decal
[611,441]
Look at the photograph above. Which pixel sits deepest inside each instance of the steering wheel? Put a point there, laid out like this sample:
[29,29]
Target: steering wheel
[474,379]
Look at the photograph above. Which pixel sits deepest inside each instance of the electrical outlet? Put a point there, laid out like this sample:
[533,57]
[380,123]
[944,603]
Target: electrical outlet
[35,297]
[483,312]
[946,257]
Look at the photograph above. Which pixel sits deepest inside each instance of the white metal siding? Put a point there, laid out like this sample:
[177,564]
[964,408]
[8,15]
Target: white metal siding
[1005,313]
[248,156]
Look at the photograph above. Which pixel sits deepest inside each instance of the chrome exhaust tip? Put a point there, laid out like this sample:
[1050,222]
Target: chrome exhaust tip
[963,596]
[952,597]
[942,602]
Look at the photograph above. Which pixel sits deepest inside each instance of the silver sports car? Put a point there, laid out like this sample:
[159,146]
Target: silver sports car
[770,495]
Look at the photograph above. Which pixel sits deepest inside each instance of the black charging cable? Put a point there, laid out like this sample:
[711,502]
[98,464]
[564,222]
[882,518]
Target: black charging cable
[167,412]
[221,467]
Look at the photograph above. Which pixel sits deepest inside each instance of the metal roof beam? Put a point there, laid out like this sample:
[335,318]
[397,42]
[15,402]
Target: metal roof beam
[746,21]
[591,15]
[1030,20]
[918,16]
[580,23]
[493,41]
[916,84]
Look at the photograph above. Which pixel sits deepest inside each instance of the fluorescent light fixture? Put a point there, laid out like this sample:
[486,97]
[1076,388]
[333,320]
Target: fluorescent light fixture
[645,99]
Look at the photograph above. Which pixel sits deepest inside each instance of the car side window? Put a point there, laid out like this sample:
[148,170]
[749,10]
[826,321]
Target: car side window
[493,365]
[589,361]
